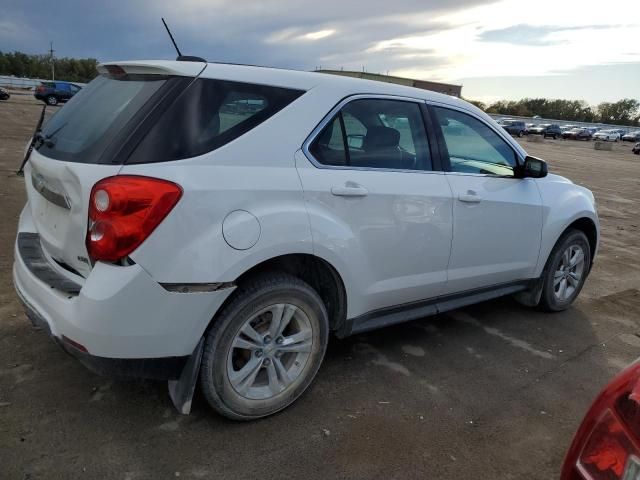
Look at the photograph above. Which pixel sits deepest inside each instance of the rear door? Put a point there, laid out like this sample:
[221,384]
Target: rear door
[497,218]
[378,202]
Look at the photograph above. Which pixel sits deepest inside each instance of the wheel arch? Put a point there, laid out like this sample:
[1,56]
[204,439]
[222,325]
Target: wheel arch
[588,227]
[582,223]
[321,275]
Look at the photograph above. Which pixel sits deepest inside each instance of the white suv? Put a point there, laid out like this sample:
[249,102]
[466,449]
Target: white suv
[607,135]
[188,220]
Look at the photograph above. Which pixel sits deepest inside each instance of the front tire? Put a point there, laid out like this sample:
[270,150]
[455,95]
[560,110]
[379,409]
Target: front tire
[264,348]
[566,271]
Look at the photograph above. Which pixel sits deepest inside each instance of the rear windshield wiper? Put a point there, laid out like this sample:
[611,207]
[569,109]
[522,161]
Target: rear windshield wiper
[34,139]
[49,139]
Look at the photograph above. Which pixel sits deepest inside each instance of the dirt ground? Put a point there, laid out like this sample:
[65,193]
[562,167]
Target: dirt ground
[493,391]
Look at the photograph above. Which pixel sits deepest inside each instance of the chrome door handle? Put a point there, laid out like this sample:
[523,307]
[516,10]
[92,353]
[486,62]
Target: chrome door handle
[349,191]
[468,198]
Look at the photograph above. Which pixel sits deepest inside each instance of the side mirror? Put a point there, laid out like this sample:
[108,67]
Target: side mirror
[533,168]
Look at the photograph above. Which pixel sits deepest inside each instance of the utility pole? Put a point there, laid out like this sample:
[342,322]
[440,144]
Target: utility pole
[53,68]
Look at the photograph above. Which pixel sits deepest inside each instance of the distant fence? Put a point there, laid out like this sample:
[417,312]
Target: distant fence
[538,121]
[25,83]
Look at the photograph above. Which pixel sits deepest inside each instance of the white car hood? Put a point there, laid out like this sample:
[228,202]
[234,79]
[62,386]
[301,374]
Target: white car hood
[552,177]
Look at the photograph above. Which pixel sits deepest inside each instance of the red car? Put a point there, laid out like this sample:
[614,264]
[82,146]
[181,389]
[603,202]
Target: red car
[607,444]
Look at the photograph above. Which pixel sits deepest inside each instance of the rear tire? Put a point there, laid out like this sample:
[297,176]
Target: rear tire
[264,348]
[52,100]
[566,271]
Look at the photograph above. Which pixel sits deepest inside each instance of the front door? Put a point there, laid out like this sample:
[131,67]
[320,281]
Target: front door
[497,218]
[376,203]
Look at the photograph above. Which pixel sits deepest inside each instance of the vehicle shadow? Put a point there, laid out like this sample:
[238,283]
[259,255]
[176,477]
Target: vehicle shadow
[466,394]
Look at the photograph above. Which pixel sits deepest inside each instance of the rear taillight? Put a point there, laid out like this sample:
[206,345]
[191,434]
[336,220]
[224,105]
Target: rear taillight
[123,211]
[607,444]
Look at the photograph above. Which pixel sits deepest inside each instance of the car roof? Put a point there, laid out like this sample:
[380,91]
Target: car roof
[281,78]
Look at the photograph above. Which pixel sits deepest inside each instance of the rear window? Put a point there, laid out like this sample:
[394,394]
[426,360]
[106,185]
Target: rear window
[208,115]
[81,130]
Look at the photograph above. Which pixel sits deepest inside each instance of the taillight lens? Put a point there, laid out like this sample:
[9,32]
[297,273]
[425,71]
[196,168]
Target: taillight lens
[607,444]
[608,450]
[123,211]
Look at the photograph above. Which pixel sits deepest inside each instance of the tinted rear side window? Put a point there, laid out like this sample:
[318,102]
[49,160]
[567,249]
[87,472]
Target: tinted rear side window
[208,115]
[375,133]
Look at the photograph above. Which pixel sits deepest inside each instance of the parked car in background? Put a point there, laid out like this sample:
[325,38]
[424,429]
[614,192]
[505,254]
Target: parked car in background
[530,126]
[514,127]
[577,134]
[56,92]
[620,131]
[564,128]
[293,240]
[551,130]
[4,94]
[607,443]
[539,129]
[636,149]
[631,136]
[607,135]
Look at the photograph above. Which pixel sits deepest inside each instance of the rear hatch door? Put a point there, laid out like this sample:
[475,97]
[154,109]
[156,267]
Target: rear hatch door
[80,145]
[58,195]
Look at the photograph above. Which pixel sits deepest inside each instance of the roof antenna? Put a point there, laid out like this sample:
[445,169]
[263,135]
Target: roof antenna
[181,58]
[171,37]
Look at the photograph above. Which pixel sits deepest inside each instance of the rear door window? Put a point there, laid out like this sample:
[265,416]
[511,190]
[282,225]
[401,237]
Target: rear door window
[375,133]
[208,115]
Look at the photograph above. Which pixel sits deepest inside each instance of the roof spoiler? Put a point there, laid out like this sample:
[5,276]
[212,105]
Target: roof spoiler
[185,68]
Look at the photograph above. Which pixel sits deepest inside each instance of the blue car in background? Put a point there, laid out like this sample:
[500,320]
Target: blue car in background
[53,93]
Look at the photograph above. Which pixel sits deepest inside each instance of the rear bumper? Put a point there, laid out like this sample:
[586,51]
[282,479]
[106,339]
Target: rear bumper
[127,322]
[164,368]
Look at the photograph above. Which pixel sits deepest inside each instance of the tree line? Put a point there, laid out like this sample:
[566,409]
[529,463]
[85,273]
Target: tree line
[20,64]
[622,112]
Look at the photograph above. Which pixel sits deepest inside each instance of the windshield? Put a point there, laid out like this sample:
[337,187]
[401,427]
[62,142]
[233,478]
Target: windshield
[80,130]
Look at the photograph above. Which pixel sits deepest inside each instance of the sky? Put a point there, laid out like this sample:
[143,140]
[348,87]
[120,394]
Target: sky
[507,49]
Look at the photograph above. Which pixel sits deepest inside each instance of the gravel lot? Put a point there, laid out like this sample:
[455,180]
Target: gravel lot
[491,391]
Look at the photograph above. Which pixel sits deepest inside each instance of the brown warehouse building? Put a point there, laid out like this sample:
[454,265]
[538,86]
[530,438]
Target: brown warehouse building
[446,88]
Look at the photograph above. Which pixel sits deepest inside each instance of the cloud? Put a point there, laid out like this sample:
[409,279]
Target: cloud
[444,40]
[541,35]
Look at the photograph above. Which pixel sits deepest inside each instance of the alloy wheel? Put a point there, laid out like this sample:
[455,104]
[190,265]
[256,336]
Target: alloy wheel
[270,351]
[569,273]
